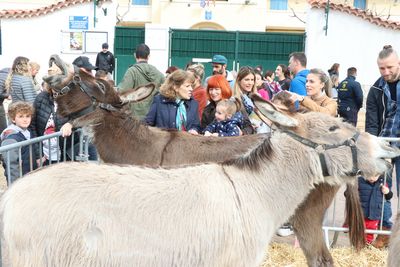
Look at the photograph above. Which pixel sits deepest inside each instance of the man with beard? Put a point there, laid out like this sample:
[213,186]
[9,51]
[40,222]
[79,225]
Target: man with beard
[219,63]
[383,119]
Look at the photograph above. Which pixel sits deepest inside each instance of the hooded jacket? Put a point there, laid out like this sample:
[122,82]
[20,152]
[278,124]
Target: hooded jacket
[229,127]
[298,84]
[11,135]
[139,74]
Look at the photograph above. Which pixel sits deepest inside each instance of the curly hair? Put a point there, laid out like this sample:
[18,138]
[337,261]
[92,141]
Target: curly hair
[174,81]
[21,67]
[20,107]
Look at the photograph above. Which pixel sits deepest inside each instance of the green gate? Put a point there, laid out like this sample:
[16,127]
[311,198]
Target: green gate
[240,48]
[125,42]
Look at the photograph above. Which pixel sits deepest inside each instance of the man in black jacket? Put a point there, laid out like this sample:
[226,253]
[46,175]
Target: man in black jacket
[383,119]
[105,60]
[350,97]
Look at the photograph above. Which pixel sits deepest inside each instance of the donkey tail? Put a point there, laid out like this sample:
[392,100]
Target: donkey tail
[355,217]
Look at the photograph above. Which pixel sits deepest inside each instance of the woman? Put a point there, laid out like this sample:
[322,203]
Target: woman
[174,107]
[318,86]
[19,83]
[199,92]
[271,87]
[283,74]
[244,86]
[217,89]
[334,70]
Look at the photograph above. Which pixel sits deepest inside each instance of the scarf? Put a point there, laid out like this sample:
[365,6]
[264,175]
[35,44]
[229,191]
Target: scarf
[180,115]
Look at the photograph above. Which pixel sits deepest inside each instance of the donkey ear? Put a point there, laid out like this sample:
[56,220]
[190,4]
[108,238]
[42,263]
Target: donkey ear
[138,94]
[269,110]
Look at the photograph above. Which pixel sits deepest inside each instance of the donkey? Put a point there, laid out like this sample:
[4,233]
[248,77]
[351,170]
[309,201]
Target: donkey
[120,138]
[82,214]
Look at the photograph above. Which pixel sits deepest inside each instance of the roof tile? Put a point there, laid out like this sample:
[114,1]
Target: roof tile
[364,14]
[23,13]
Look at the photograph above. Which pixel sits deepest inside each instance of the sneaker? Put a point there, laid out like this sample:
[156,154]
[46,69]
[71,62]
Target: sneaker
[285,230]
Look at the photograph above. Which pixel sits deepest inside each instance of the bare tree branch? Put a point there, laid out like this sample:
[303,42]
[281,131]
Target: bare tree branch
[295,15]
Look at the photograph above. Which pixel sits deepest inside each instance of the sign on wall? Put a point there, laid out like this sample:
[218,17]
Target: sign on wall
[94,40]
[78,22]
[74,42]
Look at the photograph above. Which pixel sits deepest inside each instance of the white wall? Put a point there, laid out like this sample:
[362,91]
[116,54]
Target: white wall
[351,41]
[39,37]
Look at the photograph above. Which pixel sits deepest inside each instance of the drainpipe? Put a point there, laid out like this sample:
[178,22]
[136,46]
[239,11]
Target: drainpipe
[94,13]
[326,18]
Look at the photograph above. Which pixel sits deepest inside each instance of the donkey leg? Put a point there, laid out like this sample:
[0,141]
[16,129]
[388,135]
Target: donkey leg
[307,224]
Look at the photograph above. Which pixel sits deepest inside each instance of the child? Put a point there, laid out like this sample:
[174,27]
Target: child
[20,114]
[227,120]
[371,191]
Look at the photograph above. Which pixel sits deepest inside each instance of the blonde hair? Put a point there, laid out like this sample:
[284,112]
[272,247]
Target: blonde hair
[34,65]
[324,78]
[20,107]
[175,80]
[21,67]
[230,106]
[198,70]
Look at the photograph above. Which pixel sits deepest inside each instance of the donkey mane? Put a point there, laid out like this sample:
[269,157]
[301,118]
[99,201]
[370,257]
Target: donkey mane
[254,160]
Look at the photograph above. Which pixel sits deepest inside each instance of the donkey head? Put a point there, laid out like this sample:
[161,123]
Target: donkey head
[76,90]
[344,150]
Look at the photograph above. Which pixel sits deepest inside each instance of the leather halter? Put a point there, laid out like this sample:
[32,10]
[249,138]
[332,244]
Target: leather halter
[77,81]
[320,148]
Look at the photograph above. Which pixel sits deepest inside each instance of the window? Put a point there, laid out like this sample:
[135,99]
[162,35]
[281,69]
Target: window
[361,4]
[279,5]
[140,2]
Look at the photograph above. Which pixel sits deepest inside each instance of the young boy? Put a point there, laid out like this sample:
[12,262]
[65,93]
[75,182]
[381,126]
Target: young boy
[20,114]
[227,120]
[371,191]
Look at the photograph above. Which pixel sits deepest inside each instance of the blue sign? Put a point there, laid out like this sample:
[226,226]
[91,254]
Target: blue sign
[78,22]
[208,15]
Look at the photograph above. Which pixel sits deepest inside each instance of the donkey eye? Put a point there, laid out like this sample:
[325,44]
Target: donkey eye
[333,128]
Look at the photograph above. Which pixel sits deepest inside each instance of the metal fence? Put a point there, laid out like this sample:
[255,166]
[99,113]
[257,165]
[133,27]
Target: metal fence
[78,151]
[334,217]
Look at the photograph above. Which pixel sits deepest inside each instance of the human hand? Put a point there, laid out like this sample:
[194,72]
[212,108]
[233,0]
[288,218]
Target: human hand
[215,134]
[296,97]
[66,129]
[384,189]
[194,132]
[207,133]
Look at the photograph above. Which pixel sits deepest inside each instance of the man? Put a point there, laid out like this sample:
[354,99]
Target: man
[297,66]
[84,64]
[383,119]
[350,97]
[105,61]
[140,74]
[219,63]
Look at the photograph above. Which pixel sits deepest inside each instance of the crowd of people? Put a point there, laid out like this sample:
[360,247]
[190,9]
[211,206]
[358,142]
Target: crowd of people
[219,105]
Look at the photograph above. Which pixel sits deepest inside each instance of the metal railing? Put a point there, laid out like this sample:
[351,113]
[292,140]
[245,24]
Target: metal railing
[35,145]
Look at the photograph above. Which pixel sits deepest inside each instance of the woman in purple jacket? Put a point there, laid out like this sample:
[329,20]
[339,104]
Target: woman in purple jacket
[174,107]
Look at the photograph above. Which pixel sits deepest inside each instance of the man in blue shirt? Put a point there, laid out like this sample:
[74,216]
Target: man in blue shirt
[297,66]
